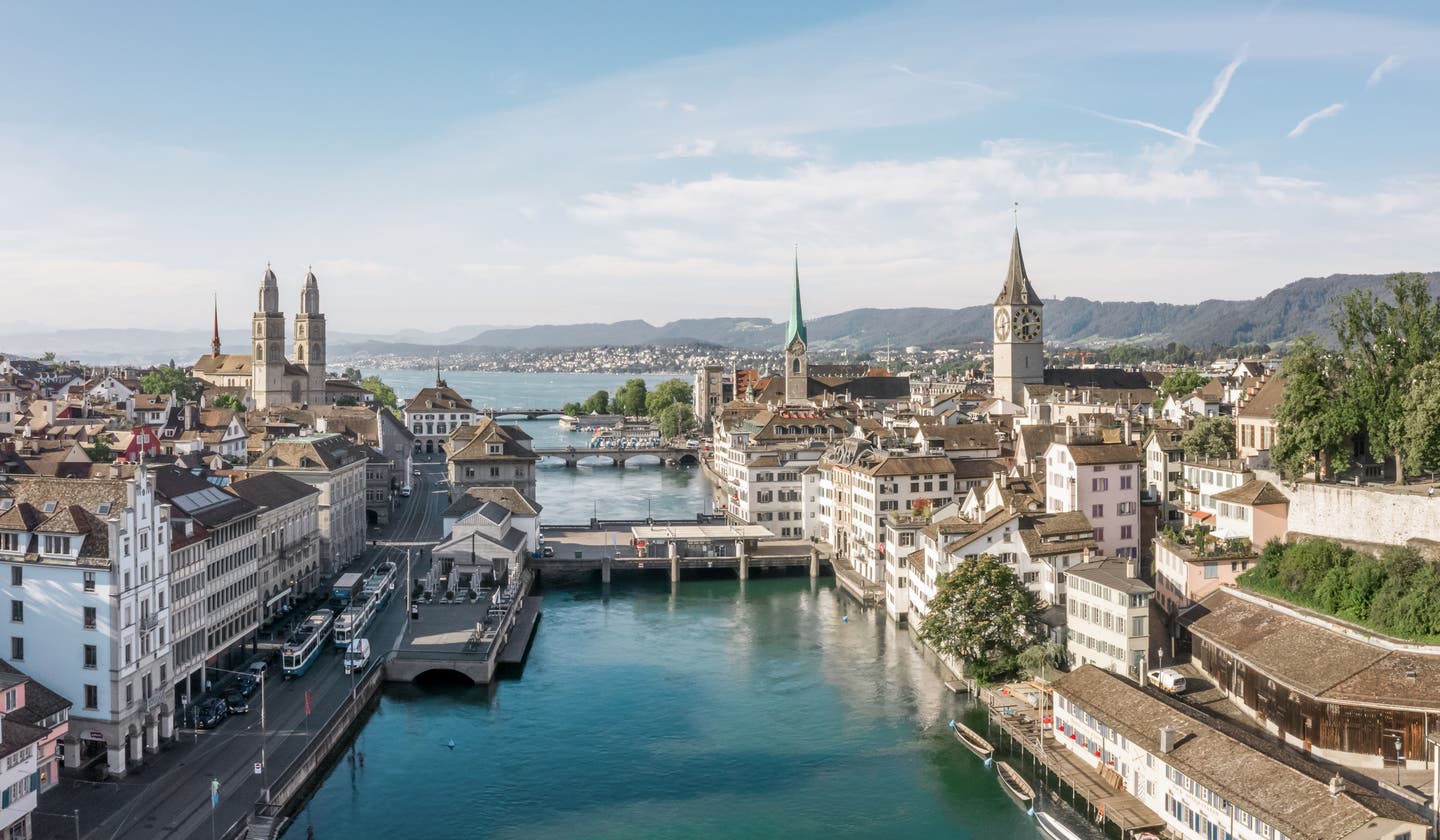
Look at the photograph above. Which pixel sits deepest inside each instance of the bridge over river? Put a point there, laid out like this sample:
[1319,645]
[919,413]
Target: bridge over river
[525,413]
[573,455]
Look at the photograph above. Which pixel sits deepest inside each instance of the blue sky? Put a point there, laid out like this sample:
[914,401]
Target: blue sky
[498,164]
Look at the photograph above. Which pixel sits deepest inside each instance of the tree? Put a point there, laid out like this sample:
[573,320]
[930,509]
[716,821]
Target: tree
[665,394]
[1384,344]
[1210,437]
[1421,408]
[981,613]
[346,401]
[229,401]
[1182,382]
[384,394]
[1040,660]
[1313,423]
[596,403]
[676,420]
[171,380]
[629,398]
[101,452]
[352,374]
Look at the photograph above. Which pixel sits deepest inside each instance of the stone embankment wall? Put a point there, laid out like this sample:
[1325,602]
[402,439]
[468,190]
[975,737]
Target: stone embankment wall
[1365,516]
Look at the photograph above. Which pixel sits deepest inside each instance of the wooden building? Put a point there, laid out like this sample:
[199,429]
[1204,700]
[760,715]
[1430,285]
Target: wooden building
[1328,687]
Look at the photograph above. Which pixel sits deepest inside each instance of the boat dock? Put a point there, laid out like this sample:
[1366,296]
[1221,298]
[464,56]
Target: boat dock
[1104,801]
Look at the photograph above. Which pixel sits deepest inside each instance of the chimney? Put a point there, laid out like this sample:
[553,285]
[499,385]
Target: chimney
[1337,785]
[1127,439]
[1069,432]
[1167,739]
[1130,567]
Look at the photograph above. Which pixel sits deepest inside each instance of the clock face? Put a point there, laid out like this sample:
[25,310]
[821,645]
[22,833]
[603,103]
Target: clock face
[1002,325]
[1027,324]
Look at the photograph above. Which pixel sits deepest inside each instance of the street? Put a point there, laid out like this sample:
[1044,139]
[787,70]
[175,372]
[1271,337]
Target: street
[169,795]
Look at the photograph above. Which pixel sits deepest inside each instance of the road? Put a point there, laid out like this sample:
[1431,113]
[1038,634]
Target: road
[169,797]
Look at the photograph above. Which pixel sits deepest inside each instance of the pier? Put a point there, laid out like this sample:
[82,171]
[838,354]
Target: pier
[573,455]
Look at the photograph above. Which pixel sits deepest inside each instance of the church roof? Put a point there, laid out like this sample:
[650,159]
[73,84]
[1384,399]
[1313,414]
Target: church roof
[797,319]
[1017,284]
[231,364]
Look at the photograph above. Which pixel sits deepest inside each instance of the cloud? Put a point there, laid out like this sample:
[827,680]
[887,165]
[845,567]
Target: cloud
[1324,113]
[1382,69]
[1152,126]
[1217,92]
[693,149]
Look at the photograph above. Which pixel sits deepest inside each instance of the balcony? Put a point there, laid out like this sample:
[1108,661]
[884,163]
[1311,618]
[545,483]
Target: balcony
[149,621]
[1199,544]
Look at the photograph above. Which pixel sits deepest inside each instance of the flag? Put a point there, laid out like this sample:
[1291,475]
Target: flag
[214,793]
[307,704]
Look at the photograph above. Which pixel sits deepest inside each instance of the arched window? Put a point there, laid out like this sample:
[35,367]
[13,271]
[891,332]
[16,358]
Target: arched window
[295,391]
[795,365]
[300,353]
[259,351]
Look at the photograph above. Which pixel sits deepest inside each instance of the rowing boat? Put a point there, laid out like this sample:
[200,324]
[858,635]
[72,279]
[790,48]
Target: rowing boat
[1053,828]
[1014,784]
[972,740]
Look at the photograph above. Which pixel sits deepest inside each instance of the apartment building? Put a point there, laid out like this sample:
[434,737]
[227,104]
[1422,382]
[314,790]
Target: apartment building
[1108,616]
[1102,481]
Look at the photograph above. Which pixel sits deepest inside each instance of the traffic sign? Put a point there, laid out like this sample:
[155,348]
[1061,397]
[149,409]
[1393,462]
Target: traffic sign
[257,768]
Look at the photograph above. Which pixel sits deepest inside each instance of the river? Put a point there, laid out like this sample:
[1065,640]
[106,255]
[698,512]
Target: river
[715,709]
[595,488]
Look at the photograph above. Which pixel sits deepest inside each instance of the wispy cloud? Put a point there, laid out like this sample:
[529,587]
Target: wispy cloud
[1383,68]
[1304,125]
[1152,126]
[1217,92]
[693,149]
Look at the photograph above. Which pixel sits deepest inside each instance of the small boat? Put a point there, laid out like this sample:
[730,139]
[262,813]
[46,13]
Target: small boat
[1053,828]
[972,740]
[1014,784]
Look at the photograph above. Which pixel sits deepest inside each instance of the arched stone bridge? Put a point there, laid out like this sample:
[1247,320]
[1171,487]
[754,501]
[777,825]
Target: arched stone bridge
[573,455]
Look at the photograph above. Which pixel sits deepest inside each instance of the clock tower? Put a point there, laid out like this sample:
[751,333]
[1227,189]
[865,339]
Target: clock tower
[1019,345]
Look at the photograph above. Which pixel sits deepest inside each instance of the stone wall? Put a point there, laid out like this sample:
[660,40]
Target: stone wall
[1368,515]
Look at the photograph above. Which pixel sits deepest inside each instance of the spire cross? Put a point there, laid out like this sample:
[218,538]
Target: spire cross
[1015,211]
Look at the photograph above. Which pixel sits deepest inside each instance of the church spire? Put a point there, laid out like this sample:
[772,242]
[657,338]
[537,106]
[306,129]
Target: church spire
[797,319]
[269,292]
[1017,283]
[215,333]
[310,294]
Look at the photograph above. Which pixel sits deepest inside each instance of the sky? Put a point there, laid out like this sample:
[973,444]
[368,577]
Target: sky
[509,163]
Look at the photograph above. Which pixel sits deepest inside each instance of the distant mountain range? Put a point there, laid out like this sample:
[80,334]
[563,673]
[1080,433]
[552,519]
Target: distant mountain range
[1285,314]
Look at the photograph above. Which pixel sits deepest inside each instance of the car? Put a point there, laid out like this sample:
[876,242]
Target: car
[236,704]
[405,491]
[547,551]
[248,684]
[257,669]
[415,612]
[415,472]
[1167,679]
[211,713]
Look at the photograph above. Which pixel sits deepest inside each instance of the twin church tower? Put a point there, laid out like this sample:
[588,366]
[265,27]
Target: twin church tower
[266,377]
[1019,341]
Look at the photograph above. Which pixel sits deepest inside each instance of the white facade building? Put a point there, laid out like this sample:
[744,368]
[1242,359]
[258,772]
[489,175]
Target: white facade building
[101,548]
[1102,481]
[1108,616]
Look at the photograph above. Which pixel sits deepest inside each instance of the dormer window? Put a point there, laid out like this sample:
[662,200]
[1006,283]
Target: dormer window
[103,509]
[48,507]
[59,546]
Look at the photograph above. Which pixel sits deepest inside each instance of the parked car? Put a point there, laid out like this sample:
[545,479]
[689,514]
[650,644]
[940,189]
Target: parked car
[547,551]
[415,472]
[211,713]
[236,704]
[415,612]
[248,684]
[258,669]
[405,491]
[1168,680]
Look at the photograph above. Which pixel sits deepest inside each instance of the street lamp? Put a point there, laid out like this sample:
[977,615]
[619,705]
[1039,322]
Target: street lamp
[1399,758]
[264,737]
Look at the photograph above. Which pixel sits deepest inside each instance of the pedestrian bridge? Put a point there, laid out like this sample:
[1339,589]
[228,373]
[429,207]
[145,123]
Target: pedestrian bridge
[526,413]
[573,455]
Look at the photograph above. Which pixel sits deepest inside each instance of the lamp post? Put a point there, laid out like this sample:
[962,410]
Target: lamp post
[264,736]
[1399,758]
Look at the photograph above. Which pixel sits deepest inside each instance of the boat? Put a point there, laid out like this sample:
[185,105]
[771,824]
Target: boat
[972,740]
[1053,828]
[1014,784]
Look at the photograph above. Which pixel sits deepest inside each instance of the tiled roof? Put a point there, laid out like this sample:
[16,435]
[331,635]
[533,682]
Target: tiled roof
[80,498]
[1276,791]
[471,443]
[225,364]
[901,465]
[40,701]
[271,490]
[438,398]
[1086,454]
[1111,572]
[1262,404]
[1253,492]
[325,452]
[508,497]
[1102,378]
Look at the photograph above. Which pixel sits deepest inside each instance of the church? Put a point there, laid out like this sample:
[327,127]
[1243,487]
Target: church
[266,377]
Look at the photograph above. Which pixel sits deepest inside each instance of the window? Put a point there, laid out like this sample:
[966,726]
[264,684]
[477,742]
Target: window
[1097,511]
[9,542]
[129,693]
[17,647]
[17,575]
[1212,571]
[57,545]
[1125,482]
[494,472]
[1099,535]
[89,618]
[17,611]
[92,696]
[10,700]
[1099,484]
[1127,532]
[92,656]
[89,581]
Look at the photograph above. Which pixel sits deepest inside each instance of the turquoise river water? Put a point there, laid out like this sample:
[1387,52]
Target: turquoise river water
[713,709]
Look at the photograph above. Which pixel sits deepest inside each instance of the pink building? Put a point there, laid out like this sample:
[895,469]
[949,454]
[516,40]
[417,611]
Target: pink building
[1184,574]
[1102,481]
[33,705]
[1256,510]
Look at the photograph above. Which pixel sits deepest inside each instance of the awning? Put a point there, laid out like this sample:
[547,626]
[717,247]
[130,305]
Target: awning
[279,595]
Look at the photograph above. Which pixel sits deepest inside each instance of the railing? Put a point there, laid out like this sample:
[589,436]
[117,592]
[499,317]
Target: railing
[148,621]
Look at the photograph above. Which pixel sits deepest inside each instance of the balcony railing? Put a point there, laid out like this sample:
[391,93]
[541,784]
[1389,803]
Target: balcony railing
[148,621]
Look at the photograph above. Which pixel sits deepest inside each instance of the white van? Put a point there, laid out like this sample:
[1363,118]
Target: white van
[1167,680]
[357,655]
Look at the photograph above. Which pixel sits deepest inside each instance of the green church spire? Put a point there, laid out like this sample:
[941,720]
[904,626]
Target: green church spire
[797,320]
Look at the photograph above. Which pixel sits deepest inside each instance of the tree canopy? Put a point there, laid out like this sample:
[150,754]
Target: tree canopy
[666,393]
[1182,382]
[1385,347]
[1210,437]
[171,380]
[981,613]
[384,395]
[1314,423]
[629,398]
[229,401]
[596,403]
[676,420]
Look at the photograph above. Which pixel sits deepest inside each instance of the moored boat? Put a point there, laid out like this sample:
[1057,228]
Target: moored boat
[1014,784]
[1053,828]
[972,740]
